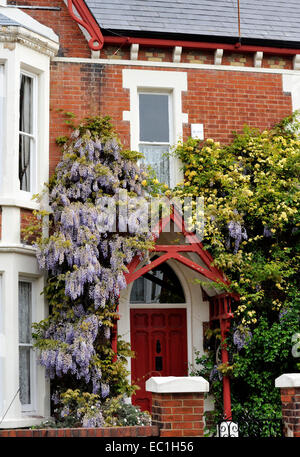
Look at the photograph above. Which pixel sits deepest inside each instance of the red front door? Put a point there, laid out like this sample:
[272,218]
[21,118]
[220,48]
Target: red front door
[159,339]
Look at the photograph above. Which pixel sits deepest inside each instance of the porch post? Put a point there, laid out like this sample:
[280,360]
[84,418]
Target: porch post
[225,324]
[178,404]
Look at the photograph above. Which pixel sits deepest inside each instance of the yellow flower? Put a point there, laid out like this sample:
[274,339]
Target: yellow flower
[155,181]
[144,183]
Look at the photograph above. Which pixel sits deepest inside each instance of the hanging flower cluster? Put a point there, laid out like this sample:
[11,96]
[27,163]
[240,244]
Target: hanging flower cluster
[86,256]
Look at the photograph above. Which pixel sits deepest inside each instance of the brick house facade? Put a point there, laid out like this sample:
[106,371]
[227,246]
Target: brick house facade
[217,81]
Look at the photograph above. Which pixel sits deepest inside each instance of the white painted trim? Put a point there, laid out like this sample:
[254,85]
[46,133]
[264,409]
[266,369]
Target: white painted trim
[177,384]
[34,134]
[11,219]
[28,22]
[21,203]
[182,65]
[291,83]
[288,380]
[126,306]
[149,80]
[95,54]
[296,62]
[258,57]
[31,407]
[218,56]
[177,51]
[134,51]
[2,110]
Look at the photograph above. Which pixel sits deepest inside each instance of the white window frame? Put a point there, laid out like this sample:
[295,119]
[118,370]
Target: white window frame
[170,115]
[172,82]
[2,115]
[30,407]
[34,135]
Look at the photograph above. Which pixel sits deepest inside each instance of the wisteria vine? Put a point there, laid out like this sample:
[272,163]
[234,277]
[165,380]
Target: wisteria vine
[85,264]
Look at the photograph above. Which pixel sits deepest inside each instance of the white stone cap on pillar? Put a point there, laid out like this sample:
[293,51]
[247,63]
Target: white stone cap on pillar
[176,384]
[288,380]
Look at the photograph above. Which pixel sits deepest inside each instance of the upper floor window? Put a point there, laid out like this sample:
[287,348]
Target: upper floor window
[26,365]
[27,132]
[155,132]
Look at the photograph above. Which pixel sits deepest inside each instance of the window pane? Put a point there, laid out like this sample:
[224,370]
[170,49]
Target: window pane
[156,157]
[25,318]
[24,162]
[26,103]
[154,118]
[138,290]
[24,375]
[161,285]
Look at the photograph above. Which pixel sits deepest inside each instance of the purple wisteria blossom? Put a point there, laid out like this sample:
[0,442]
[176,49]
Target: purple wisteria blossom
[241,337]
[87,254]
[237,232]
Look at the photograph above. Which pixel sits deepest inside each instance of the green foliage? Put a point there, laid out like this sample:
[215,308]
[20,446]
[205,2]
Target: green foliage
[252,224]
[117,412]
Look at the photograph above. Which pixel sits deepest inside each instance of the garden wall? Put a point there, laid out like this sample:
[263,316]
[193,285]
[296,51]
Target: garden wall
[105,432]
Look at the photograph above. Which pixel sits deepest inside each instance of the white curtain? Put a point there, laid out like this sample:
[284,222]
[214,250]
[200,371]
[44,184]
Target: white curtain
[156,157]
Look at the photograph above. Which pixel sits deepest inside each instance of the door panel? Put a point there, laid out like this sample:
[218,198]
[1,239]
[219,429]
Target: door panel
[159,339]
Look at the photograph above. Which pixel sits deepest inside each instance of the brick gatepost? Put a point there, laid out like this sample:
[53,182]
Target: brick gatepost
[178,404]
[289,385]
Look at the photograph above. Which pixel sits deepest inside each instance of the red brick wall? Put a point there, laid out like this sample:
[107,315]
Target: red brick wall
[26,218]
[178,414]
[224,101]
[63,25]
[74,88]
[290,399]
[82,432]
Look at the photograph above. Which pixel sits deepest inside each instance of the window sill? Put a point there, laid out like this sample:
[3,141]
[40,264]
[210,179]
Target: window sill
[19,201]
[23,421]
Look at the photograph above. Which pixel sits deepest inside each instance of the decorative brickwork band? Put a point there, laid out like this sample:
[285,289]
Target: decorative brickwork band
[289,385]
[178,405]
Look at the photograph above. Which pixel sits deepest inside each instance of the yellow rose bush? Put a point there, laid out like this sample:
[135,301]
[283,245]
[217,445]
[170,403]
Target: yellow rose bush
[251,201]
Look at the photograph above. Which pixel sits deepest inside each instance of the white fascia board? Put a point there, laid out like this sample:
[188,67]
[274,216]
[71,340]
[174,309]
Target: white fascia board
[29,23]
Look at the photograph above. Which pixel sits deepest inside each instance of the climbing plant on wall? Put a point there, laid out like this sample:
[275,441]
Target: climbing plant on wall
[85,256]
[252,225]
